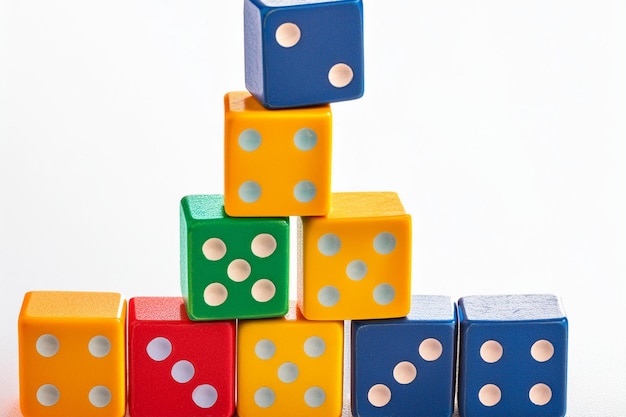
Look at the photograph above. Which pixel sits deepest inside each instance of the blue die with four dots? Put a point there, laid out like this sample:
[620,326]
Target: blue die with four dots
[406,366]
[303,52]
[512,356]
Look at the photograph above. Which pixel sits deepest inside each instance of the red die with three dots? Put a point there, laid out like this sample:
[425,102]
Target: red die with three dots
[178,367]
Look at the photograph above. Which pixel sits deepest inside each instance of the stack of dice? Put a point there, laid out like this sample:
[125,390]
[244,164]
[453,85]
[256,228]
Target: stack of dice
[354,248]
[234,342]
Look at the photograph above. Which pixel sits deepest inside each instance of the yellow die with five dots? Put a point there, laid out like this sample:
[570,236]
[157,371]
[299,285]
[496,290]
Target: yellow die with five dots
[289,366]
[355,262]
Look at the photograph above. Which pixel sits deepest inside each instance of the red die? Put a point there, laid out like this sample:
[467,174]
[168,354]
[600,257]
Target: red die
[178,367]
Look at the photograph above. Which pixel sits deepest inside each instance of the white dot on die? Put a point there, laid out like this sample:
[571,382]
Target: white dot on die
[314,397]
[288,372]
[328,296]
[491,351]
[540,394]
[264,397]
[265,349]
[159,349]
[48,395]
[250,140]
[384,294]
[542,350]
[288,35]
[340,75]
[430,349]
[404,372]
[238,270]
[215,294]
[304,191]
[356,270]
[384,243]
[314,347]
[204,396]
[99,346]
[379,395]
[100,396]
[329,244]
[263,290]
[214,249]
[263,245]
[249,191]
[489,395]
[47,345]
[305,139]
[183,371]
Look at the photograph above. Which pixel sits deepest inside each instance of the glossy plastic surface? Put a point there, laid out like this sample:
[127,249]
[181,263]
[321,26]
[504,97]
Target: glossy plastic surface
[276,162]
[290,367]
[355,263]
[72,359]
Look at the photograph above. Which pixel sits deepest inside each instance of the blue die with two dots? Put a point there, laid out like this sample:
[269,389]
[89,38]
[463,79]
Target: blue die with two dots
[512,356]
[303,52]
[406,366]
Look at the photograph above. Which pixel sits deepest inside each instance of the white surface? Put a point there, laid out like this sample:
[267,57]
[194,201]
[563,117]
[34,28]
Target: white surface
[500,124]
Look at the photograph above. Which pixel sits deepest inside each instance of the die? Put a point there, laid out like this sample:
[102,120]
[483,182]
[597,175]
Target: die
[406,366]
[512,356]
[276,162]
[303,52]
[177,366]
[289,366]
[232,267]
[72,354]
[355,263]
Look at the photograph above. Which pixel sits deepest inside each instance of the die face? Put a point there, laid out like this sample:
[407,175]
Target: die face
[276,163]
[513,367]
[404,367]
[72,354]
[289,367]
[355,267]
[511,307]
[232,267]
[177,366]
[303,53]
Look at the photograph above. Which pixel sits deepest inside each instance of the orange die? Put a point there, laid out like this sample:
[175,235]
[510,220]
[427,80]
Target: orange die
[72,354]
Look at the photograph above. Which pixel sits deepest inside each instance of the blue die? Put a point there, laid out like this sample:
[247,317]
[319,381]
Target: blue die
[406,366]
[512,356]
[303,52]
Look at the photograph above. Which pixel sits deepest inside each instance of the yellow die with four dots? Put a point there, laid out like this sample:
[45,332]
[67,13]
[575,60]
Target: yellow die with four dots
[276,162]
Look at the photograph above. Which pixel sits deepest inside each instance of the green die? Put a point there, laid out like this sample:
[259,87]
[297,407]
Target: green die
[232,267]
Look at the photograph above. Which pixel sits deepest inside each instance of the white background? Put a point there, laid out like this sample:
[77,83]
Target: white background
[500,124]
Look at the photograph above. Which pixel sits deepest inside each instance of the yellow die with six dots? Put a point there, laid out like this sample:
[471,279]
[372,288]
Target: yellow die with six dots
[72,359]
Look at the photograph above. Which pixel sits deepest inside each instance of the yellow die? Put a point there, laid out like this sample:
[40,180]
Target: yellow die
[289,367]
[276,162]
[355,263]
[72,354]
